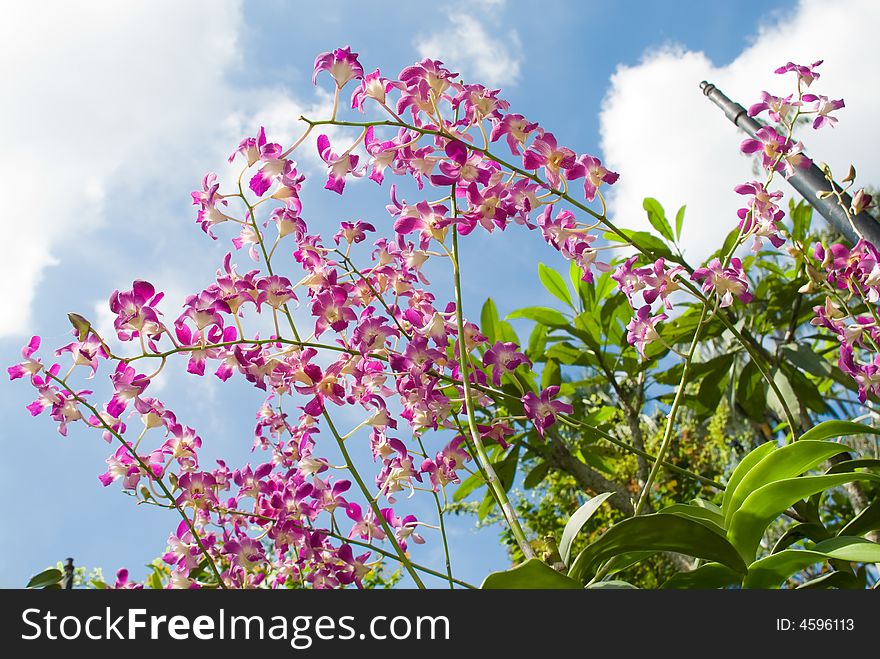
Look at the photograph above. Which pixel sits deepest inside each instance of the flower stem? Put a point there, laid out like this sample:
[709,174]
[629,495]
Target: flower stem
[670,418]
[492,478]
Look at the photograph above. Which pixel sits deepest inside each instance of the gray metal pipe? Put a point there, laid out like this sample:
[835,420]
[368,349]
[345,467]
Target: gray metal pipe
[808,182]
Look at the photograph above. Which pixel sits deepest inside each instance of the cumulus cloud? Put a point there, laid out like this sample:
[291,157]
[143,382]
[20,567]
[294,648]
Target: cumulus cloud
[668,141]
[467,47]
[113,99]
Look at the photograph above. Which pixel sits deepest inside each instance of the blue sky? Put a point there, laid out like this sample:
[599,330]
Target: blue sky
[118,112]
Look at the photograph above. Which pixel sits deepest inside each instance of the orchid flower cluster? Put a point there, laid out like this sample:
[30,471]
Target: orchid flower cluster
[725,277]
[413,366]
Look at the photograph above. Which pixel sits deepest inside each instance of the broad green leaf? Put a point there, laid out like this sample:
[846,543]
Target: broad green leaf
[714,383]
[468,485]
[866,521]
[679,221]
[537,342]
[504,332]
[788,394]
[744,467]
[786,462]
[843,580]
[835,428]
[806,359]
[614,584]
[748,524]
[535,476]
[45,578]
[657,217]
[555,284]
[585,291]
[488,318]
[776,569]
[533,574]
[801,214]
[646,243]
[812,530]
[751,392]
[543,315]
[852,465]
[708,518]
[656,532]
[576,522]
[551,375]
[708,576]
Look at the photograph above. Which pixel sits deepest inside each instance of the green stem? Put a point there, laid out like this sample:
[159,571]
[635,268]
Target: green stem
[442,526]
[670,418]
[464,361]
[389,532]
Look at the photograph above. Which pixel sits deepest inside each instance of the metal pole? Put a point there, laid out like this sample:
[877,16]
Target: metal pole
[68,574]
[808,182]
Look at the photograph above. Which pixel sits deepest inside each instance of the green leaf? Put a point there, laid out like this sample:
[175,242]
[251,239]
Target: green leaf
[776,569]
[714,383]
[812,530]
[751,392]
[536,476]
[468,485]
[504,332]
[742,469]
[833,580]
[656,532]
[679,221]
[537,342]
[644,242]
[576,522]
[708,576]
[614,584]
[554,283]
[835,428]
[488,318]
[533,574]
[543,315]
[45,579]
[806,359]
[708,518]
[852,465]
[657,217]
[866,521]
[551,375]
[786,462]
[788,394]
[748,524]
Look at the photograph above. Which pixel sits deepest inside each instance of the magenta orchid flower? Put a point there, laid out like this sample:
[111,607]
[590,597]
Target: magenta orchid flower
[805,74]
[777,152]
[342,65]
[515,128]
[824,108]
[778,108]
[504,358]
[29,366]
[542,410]
[727,282]
[545,152]
[340,166]
[594,174]
[642,329]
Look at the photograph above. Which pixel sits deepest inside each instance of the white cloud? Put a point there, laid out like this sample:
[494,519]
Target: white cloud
[110,99]
[466,47]
[668,141]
